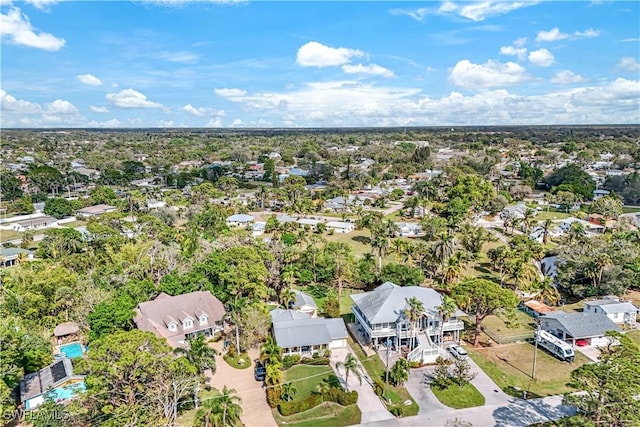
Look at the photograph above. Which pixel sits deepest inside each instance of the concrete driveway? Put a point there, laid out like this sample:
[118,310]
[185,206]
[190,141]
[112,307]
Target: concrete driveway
[369,403]
[255,410]
[590,351]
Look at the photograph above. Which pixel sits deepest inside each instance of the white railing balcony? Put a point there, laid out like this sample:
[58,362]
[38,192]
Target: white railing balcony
[453,325]
[415,354]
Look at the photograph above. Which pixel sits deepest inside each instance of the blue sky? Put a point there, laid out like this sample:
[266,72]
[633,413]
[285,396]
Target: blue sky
[318,64]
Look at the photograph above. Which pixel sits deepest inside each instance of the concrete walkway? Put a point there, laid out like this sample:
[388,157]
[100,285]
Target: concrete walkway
[255,410]
[369,403]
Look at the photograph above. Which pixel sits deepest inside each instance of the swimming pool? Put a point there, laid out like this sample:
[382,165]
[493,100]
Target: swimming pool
[72,350]
[66,393]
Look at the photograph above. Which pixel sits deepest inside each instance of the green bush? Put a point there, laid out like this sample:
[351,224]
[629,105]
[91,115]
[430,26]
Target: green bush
[378,386]
[396,411]
[290,360]
[240,361]
[315,361]
[273,396]
[294,407]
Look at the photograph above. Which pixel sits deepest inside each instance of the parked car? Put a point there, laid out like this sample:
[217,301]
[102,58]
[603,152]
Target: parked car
[457,351]
[259,372]
[582,343]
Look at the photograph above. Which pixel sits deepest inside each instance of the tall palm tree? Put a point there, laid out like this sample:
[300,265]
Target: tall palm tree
[341,253]
[351,366]
[445,247]
[270,352]
[453,268]
[546,226]
[199,353]
[398,247]
[445,310]
[273,377]
[381,245]
[547,292]
[287,297]
[235,308]
[413,312]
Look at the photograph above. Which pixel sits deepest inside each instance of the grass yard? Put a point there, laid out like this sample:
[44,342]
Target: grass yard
[306,377]
[629,209]
[510,366]
[496,326]
[345,300]
[635,336]
[552,215]
[458,397]
[328,414]
[187,418]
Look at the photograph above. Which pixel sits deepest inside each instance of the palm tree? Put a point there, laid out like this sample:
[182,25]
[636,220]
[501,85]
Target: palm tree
[341,253]
[445,247]
[273,377]
[453,268]
[351,366]
[270,352]
[381,245]
[288,392]
[235,308]
[445,310]
[576,232]
[547,292]
[322,388]
[413,312]
[199,353]
[287,297]
[221,410]
[545,230]
[398,247]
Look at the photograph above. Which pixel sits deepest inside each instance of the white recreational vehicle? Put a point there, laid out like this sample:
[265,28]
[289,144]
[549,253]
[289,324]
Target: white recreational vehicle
[555,345]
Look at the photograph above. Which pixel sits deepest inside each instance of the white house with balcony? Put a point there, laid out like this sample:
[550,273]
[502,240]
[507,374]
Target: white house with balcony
[380,316]
[621,312]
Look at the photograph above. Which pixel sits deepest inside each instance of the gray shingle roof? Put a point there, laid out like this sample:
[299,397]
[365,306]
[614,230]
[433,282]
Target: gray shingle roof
[387,302]
[611,306]
[303,299]
[581,325]
[311,331]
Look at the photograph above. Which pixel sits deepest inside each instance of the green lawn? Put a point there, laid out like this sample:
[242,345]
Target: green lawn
[458,397]
[497,326]
[306,377]
[328,414]
[630,210]
[511,366]
[634,335]
[187,418]
[553,215]
[345,300]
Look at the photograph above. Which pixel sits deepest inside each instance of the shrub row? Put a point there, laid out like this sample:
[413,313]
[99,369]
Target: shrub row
[334,394]
[295,359]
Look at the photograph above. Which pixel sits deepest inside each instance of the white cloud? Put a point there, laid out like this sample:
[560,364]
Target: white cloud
[314,54]
[476,11]
[10,103]
[60,106]
[565,77]
[237,123]
[541,58]
[587,33]
[42,4]
[630,40]
[202,111]
[520,52]
[230,93]
[481,10]
[100,109]
[629,63]
[370,69]
[491,74]
[520,42]
[552,35]
[89,79]
[214,123]
[16,26]
[129,98]
[179,56]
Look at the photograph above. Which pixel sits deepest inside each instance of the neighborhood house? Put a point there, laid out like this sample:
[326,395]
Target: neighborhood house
[298,333]
[177,318]
[572,327]
[96,210]
[620,312]
[55,381]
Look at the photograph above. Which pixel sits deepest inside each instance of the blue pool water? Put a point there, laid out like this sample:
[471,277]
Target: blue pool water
[66,393]
[72,350]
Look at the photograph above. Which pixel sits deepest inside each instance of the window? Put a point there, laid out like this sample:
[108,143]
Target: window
[187,323]
[172,326]
[615,315]
[203,319]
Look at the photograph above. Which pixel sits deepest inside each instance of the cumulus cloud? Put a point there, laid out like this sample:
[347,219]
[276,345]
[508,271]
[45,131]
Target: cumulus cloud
[60,106]
[214,123]
[541,58]
[587,33]
[491,74]
[18,29]
[520,52]
[129,98]
[370,69]
[565,77]
[101,109]
[42,4]
[629,63]
[10,103]
[552,35]
[314,54]
[89,79]
[202,111]
[230,93]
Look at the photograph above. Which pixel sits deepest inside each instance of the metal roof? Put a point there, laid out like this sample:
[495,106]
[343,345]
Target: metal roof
[303,299]
[280,315]
[311,331]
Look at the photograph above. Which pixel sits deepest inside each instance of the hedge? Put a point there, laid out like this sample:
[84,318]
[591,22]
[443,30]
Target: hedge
[290,360]
[233,360]
[334,394]
[315,361]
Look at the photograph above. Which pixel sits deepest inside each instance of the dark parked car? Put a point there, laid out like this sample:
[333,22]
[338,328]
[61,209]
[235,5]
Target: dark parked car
[259,372]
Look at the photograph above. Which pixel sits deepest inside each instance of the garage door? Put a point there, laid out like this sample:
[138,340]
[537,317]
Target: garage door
[600,342]
[338,343]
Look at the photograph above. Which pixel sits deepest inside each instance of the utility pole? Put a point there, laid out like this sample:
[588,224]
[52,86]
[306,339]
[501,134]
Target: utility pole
[386,382]
[535,352]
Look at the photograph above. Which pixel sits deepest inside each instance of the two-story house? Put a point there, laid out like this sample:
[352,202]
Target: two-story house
[177,318]
[381,317]
[621,312]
